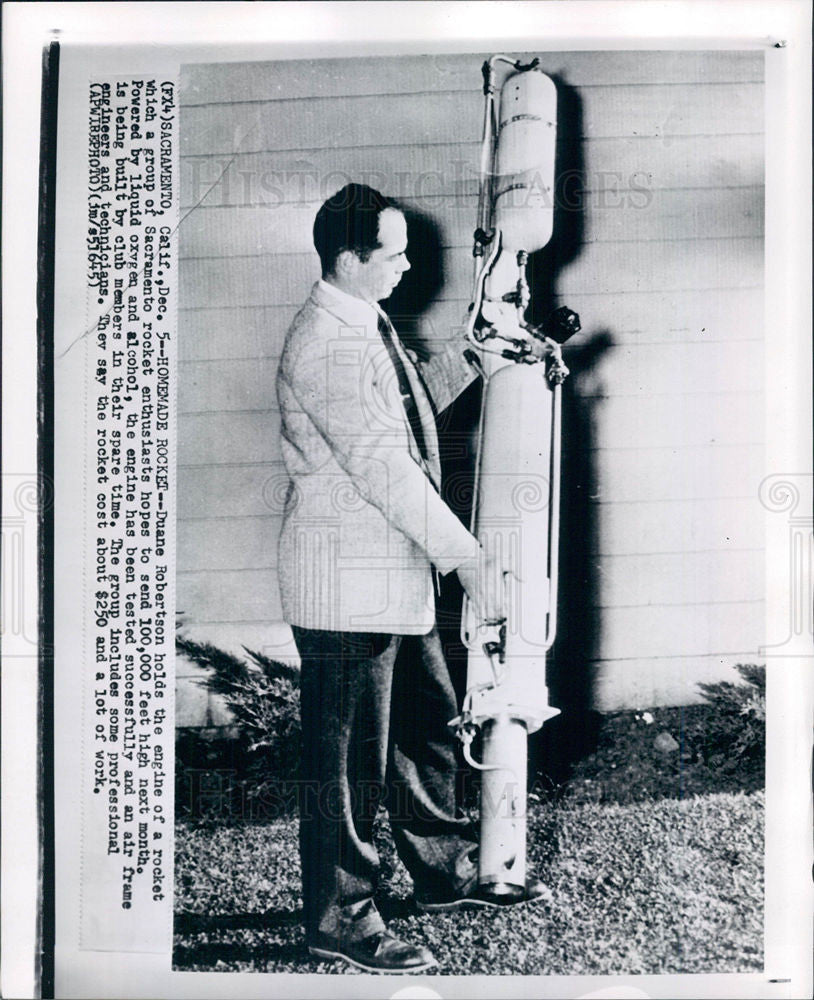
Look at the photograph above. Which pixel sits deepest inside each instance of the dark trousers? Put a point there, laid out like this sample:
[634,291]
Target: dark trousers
[374,714]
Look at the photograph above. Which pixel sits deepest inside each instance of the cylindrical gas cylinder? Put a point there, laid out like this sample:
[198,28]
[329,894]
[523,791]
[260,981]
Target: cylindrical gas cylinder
[523,206]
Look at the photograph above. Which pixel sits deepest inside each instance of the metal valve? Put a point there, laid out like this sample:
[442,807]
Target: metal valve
[561,324]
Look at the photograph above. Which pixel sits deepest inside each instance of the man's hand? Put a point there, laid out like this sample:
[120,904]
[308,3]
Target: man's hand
[483,580]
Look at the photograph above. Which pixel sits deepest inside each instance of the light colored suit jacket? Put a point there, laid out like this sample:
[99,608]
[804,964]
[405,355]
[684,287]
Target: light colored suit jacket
[363,520]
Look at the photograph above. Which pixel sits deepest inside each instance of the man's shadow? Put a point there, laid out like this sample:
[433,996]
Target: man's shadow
[275,934]
[422,284]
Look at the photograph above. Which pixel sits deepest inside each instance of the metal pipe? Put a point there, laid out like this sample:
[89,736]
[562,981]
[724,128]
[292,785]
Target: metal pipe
[486,164]
[502,858]
[554,511]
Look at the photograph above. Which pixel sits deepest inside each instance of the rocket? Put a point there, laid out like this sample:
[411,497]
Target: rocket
[516,496]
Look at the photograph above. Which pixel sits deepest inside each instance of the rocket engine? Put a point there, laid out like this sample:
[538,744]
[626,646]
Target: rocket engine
[516,506]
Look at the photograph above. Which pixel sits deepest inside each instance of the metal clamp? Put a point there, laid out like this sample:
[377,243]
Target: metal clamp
[557,369]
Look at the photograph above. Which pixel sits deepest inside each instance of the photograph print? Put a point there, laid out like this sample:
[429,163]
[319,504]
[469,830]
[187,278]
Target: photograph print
[470,572]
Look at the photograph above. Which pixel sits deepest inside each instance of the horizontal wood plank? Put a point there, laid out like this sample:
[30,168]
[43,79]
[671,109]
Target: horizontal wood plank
[639,683]
[711,472]
[231,385]
[669,316]
[681,631]
[208,334]
[669,369]
[228,491]
[298,78]
[652,317]
[618,216]
[341,122]
[436,172]
[682,161]
[604,268]
[229,437]
[678,526]
[674,370]
[237,597]
[661,421]
[674,579]
[247,543]
[701,264]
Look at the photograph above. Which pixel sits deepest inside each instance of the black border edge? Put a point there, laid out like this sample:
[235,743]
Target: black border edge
[46,227]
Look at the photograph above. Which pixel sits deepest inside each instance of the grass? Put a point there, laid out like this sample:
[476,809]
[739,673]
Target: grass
[652,848]
[670,886]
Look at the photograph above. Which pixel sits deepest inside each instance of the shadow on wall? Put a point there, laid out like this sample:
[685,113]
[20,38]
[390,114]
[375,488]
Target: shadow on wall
[570,671]
[566,242]
[422,284]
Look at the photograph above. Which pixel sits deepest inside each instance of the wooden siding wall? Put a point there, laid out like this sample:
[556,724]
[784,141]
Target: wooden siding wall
[668,274]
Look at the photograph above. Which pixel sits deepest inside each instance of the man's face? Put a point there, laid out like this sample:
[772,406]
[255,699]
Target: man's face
[381,272]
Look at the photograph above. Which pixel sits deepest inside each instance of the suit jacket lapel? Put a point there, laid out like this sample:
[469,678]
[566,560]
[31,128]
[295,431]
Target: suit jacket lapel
[426,412]
[365,318]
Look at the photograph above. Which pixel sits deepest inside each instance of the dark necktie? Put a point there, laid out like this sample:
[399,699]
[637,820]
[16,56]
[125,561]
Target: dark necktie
[406,390]
[411,409]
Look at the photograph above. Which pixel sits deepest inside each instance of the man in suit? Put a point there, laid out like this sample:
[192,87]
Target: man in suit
[364,533]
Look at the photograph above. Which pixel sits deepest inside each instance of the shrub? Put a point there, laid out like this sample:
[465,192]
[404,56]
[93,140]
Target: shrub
[264,699]
[735,732]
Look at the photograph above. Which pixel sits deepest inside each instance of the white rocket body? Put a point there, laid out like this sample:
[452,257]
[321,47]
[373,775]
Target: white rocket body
[513,512]
[507,697]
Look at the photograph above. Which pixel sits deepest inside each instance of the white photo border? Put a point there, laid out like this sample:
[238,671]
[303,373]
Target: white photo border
[224,31]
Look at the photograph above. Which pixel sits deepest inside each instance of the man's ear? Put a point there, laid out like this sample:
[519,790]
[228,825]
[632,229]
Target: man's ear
[346,262]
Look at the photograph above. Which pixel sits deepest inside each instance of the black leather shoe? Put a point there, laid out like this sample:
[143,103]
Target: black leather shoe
[380,952]
[535,891]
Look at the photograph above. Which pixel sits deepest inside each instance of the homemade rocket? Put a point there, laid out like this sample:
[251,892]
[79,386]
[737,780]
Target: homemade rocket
[516,504]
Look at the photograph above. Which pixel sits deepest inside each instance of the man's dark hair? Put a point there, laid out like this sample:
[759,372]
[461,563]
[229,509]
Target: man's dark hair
[349,220]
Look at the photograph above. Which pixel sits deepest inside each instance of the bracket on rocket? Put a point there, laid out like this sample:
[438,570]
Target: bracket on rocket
[530,344]
[467,724]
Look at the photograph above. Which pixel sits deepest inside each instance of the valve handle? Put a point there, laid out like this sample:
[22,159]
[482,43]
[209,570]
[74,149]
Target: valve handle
[561,324]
